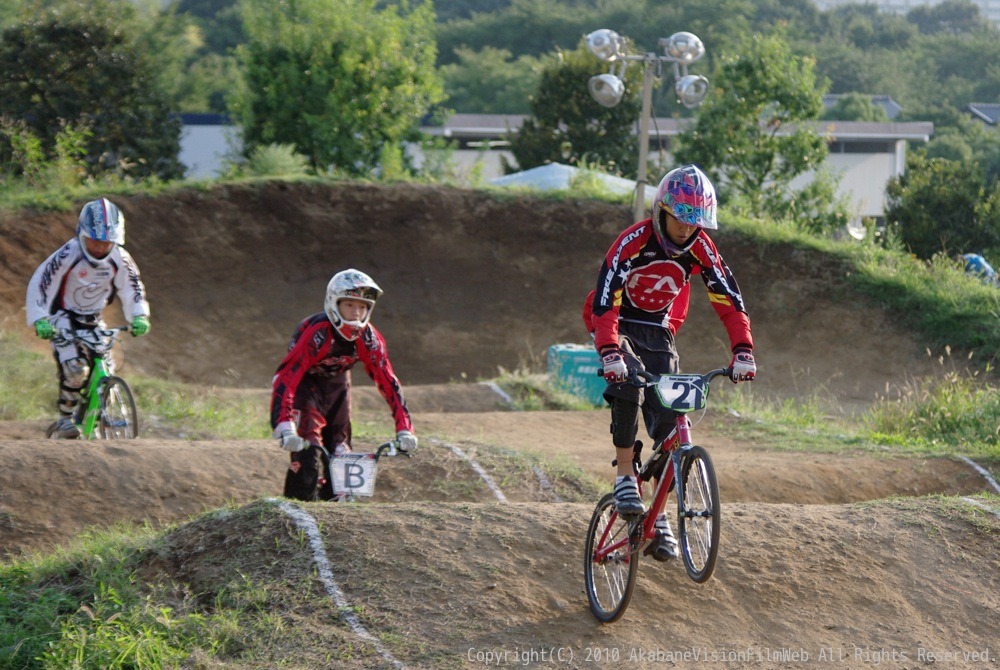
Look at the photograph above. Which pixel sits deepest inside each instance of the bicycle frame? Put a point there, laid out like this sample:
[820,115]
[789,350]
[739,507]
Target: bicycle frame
[92,396]
[676,446]
[99,341]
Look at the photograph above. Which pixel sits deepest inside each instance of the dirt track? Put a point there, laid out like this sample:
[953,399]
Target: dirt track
[472,284]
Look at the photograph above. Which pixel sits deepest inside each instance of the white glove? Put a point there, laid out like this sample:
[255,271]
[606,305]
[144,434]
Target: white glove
[614,366]
[406,441]
[743,367]
[292,442]
[341,449]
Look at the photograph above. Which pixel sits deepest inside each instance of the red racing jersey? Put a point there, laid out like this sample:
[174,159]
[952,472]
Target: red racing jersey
[316,349]
[640,282]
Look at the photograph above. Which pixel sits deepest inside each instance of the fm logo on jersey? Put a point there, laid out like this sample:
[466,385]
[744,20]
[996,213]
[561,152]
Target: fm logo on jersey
[653,287]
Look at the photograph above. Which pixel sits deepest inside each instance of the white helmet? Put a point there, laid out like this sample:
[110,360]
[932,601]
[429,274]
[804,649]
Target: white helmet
[100,220]
[355,285]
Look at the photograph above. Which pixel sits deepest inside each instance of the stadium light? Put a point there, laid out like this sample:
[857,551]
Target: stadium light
[680,49]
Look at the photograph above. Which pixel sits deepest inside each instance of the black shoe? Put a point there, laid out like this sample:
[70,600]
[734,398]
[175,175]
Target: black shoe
[627,500]
[664,547]
[63,429]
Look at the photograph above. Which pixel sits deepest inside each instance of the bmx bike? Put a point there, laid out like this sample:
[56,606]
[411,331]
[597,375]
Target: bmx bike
[614,544]
[107,406]
[353,474]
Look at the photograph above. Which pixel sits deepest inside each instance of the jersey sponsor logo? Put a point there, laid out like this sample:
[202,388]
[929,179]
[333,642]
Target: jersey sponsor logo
[721,299]
[46,279]
[90,297]
[611,272]
[653,287]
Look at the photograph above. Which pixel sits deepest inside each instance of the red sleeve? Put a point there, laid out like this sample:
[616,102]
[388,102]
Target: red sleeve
[588,313]
[724,293]
[307,351]
[374,356]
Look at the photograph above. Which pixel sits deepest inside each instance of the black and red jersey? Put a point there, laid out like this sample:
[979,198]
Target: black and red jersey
[640,282]
[317,350]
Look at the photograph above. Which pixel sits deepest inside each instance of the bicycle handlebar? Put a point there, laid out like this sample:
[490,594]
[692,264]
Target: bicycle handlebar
[96,338]
[642,378]
[651,378]
[390,448]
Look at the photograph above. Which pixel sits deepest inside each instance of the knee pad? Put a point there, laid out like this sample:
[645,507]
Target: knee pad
[75,372]
[624,422]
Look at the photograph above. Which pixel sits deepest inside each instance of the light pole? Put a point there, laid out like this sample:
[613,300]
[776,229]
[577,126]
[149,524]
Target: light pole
[681,49]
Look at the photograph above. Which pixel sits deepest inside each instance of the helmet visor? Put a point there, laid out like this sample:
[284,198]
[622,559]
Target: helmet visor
[361,293]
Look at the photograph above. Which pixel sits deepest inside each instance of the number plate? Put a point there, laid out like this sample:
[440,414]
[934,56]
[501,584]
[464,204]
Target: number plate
[682,393]
[354,474]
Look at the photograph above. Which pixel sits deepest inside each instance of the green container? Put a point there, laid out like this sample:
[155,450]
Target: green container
[573,368]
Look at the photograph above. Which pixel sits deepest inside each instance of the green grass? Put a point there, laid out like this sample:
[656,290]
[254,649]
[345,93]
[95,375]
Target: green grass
[935,299]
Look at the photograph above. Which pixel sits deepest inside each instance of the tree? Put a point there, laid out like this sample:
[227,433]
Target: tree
[856,107]
[752,135]
[942,206]
[339,79]
[77,65]
[567,125]
[490,82]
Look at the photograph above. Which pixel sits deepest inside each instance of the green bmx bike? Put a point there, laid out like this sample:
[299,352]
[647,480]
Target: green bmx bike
[107,406]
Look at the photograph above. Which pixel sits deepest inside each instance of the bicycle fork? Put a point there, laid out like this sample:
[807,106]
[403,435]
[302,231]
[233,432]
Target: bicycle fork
[670,480]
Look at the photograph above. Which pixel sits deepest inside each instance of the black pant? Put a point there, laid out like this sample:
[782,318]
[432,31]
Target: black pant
[323,407]
[650,348]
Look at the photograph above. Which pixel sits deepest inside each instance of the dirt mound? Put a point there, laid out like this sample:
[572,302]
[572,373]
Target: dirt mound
[489,584]
[51,491]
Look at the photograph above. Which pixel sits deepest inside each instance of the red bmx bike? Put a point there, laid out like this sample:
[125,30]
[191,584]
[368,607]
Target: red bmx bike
[614,544]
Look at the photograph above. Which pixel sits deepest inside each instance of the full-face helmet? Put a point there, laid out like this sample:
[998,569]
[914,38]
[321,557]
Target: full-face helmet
[355,285]
[688,194]
[100,220]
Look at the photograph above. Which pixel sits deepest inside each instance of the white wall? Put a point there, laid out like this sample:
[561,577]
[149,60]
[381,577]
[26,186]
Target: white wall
[204,148]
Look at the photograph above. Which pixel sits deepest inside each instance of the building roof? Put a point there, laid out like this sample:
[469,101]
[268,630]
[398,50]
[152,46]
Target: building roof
[494,126]
[985,111]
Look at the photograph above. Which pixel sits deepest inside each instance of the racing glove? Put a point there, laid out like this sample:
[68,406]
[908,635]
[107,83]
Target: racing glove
[743,367]
[44,329]
[140,326]
[614,365]
[290,441]
[406,441]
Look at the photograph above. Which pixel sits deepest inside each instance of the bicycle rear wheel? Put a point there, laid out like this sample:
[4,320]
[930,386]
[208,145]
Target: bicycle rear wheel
[610,580]
[698,520]
[119,418]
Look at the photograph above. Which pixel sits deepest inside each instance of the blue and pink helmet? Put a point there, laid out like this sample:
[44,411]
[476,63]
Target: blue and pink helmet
[688,194]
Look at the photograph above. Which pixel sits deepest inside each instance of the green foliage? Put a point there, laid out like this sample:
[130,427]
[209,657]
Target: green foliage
[958,412]
[78,65]
[338,80]
[761,90]
[272,160]
[943,206]
[36,391]
[490,81]
[951,17]
[856,107]
[568,126]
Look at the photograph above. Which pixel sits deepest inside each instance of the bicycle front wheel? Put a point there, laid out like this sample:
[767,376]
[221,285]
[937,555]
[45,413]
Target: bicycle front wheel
[610,562]
[698,518]
[119,418]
